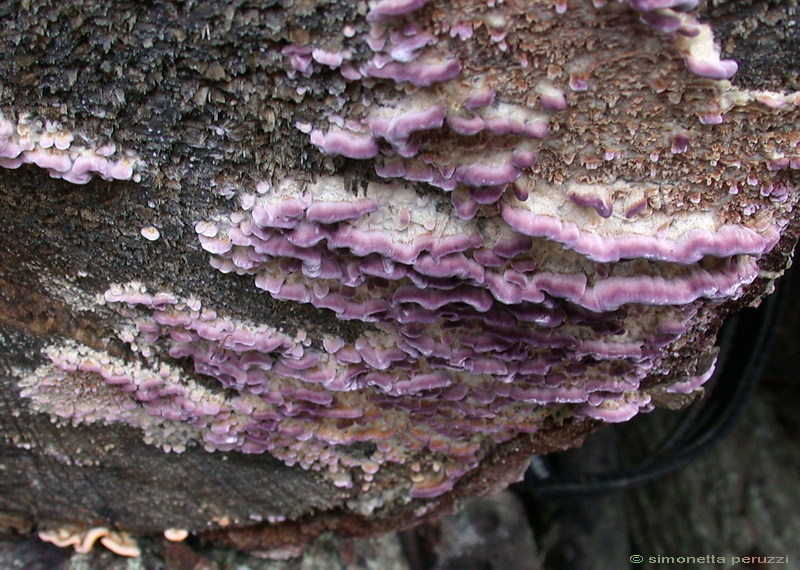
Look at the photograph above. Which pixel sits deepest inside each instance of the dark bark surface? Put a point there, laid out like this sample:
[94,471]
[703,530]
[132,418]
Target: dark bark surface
[198,90]
[762,34]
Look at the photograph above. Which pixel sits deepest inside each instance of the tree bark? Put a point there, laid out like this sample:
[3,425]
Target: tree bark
[138,123]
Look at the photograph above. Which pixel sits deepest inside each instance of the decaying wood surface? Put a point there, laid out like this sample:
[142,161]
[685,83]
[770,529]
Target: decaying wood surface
[198,92]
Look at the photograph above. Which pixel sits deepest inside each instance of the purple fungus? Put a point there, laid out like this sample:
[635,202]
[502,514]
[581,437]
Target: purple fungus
[391,167]
[613,412]
[299,57]
[504,125]
[331,59]
[464,206]
[284,214]
[664,22]
[711,119]
[350,72]
[427,490]
[386,10]
[523,159]
[636,208]
[511,247]
[778,163]
[486,194]
[407,49]
[603,207]
[478,99]
[537,128]
[520,193]
[650,5]
[578,82]
[330,212]
[402,126]
[691,247]
[48,160]
[487,175]
[419,172]
[465,126]
[429,381]
[482,319]
[420,73]
[712,68]
[691,383]
[550,97]
[216,245]
[339,142]
[680,144]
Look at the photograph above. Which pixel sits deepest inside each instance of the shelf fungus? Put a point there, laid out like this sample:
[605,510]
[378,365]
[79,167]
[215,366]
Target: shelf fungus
[47,145]
[83,540]
[557,201]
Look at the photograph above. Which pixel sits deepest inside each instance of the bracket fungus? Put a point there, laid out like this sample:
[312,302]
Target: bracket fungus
[83,540]
[524,214]
[45,144]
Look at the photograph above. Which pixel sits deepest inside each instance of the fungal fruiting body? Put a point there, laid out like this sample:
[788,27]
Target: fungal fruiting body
[557,213]
[48,146]
[590,230]
[83,540]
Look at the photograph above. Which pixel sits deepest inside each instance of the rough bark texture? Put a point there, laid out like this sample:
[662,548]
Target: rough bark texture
[759,34]
[167,78]
[201,102]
